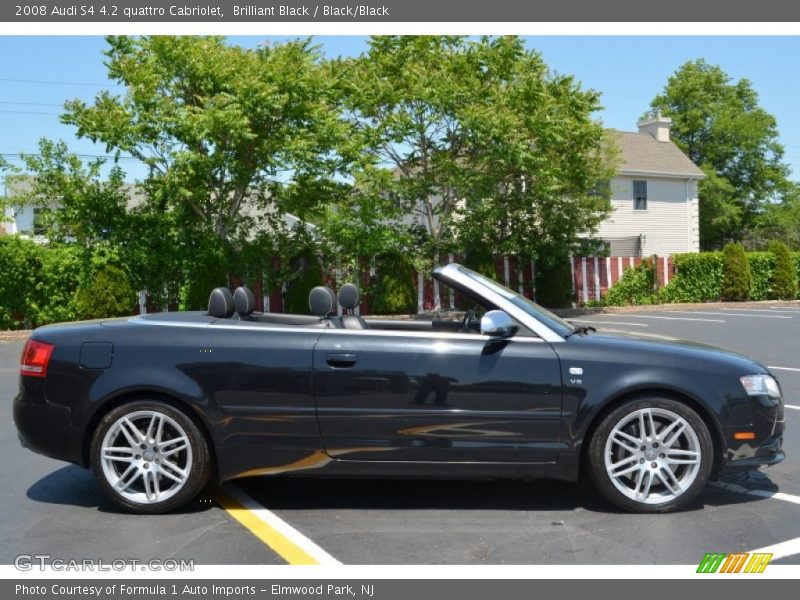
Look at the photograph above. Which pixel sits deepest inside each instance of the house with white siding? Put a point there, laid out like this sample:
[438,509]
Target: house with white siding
[653,196]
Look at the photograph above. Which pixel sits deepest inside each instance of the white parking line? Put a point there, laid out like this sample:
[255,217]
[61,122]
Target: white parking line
[784,368]
[766,310]
[671,318]
[285,540]
[610,323]
[732,487]
[727,314]
[792,406]
[782,550]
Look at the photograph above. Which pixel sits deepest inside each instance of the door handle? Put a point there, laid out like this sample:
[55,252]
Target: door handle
[341,359]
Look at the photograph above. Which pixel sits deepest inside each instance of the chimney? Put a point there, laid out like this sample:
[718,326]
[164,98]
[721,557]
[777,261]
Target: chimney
[656,125]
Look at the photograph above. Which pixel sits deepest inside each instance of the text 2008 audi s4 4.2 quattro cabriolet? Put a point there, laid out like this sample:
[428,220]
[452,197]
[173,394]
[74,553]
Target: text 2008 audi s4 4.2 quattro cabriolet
[159,404]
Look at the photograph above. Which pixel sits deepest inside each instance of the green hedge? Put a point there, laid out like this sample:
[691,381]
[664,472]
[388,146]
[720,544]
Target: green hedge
[698,278]
[37,283]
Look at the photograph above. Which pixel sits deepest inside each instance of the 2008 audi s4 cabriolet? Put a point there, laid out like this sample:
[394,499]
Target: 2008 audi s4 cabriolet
[158,405]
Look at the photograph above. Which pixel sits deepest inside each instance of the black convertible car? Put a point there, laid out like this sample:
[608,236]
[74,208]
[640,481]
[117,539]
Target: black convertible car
[159,404]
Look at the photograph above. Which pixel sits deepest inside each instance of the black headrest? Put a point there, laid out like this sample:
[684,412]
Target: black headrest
[322,301]
[244,302]
[220,303]
[348,295]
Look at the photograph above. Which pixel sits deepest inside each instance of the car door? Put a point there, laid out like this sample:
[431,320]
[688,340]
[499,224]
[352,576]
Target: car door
[430,396]
[258,381]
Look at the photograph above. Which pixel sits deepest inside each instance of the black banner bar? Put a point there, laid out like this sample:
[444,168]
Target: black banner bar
[383,589]
[487,11]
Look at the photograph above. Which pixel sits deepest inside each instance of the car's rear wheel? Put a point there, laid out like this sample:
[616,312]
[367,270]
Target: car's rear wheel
[651,455]
[149,457]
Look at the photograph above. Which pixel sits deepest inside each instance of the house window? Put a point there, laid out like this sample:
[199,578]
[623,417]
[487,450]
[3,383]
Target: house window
[639,195]
[41,217]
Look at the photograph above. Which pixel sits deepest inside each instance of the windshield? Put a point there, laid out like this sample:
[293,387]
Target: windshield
[554,322]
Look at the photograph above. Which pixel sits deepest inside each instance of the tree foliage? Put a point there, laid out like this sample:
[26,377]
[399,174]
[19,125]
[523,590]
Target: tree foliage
[471,139]
[720,125]
[736,278]
[393,290]
[219,126]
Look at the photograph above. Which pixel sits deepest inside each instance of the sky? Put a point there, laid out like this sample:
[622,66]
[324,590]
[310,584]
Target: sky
[38,73]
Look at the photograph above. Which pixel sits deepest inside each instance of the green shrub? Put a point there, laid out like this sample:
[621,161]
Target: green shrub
[736,278]
[393,288]
[58,276]
[107,292]
[554,282]
[209,270]
[697,278]
[304,274]
[481,260]
[37,282]
[19,260]
[636,286]
[761,266]
[783,283]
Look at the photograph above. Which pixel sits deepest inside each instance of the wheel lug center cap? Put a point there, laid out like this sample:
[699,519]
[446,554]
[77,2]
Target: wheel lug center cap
[149,455]
[651,453]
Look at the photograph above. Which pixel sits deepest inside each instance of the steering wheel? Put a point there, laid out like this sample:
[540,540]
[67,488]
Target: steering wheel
[469,319]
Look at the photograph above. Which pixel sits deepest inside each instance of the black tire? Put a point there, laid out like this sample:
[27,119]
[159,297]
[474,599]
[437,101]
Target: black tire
[175,423]
[627,413]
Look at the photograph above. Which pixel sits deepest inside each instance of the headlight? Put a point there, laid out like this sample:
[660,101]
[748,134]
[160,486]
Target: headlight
[760,385]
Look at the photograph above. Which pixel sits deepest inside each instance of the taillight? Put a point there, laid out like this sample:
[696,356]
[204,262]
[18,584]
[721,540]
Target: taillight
[35,357]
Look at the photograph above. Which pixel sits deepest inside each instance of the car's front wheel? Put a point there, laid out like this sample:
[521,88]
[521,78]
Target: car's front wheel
[149,457]
[651,455]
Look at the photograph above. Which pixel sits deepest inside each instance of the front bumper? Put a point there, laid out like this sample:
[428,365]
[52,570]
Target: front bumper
[767,422]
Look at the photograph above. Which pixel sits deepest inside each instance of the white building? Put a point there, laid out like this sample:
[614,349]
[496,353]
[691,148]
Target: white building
[654,196]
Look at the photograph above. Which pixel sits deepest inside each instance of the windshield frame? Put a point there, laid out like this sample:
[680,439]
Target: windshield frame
[539,320]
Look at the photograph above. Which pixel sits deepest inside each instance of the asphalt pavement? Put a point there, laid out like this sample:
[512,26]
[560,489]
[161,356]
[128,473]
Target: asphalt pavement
[48,507]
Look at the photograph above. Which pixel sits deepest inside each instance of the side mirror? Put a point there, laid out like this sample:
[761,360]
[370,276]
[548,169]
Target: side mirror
[497,324]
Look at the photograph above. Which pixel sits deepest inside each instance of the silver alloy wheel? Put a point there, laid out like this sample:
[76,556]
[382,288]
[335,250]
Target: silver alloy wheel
[652,455]
[146,457]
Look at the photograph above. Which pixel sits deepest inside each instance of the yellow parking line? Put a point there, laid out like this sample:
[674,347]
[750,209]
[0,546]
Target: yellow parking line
[291,545]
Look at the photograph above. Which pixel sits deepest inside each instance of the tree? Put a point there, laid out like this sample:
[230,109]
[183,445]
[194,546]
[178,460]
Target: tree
[220,127]
[736,277]
[719,124]
[81,204]
[106,293]
[471,142]
[783,283]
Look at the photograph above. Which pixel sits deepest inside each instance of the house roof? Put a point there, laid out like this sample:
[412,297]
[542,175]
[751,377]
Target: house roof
[641,153]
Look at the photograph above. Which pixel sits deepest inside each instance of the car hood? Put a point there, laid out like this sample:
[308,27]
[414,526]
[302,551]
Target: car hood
[675,349]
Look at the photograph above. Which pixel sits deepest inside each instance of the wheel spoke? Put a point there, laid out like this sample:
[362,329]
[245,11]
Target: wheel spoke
[155,421]
[172,442]
[622,442]
[130,475]
[652,425]
[647,480]
[682,457]
[624,472]
[172,471]
[130,431]
[151,487]
[118,454]
[668,478]
[675,434]
[174,450]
